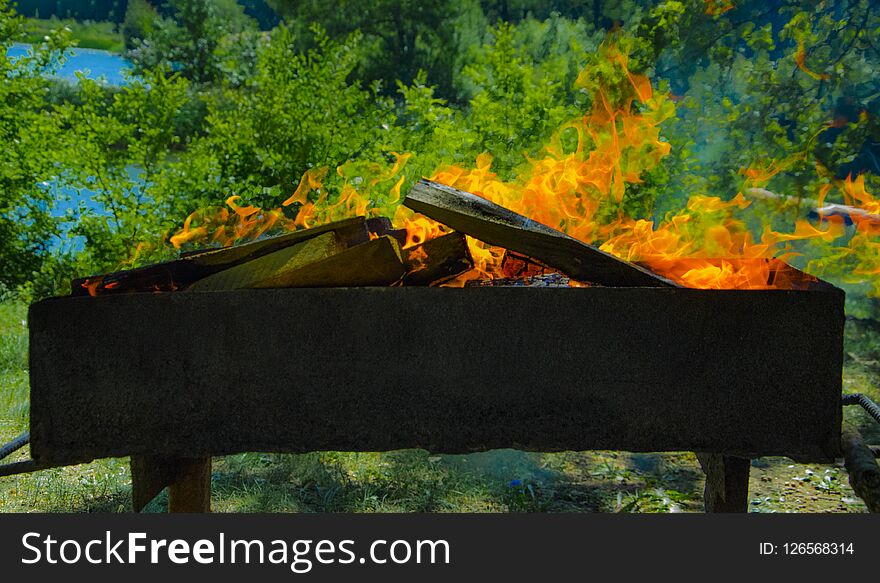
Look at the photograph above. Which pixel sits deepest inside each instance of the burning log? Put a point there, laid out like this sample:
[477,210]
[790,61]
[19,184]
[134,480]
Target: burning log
[496,225]
[543,280]
[318,262]
[437,260]
[515,265]
[379,226]
[189,268]
[270,268]
[864,473]
[849,214]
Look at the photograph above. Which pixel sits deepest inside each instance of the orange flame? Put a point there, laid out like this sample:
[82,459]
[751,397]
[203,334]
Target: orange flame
[800,57]
[581,192]
[715,7]
[91,284]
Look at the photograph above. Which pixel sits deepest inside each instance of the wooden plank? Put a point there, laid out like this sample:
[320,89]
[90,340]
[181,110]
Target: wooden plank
[188,481]
[496,225]
[268,268]
[377,263]
[191,489]
[437,260]
[727,483]
[149,476]
[314,263]
[350,232]
[379,226]
[182,272]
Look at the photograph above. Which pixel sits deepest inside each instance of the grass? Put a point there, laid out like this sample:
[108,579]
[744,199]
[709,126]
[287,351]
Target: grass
[88,34]
[13,369]
[417,481]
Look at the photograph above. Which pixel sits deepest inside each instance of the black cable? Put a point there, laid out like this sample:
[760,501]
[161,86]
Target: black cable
[15,445]
[867,404]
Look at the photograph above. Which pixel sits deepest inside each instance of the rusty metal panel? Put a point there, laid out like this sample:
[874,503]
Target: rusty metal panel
[449,370]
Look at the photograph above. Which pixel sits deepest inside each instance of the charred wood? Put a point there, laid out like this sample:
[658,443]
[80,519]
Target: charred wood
[496,225]
[437,260]
[191,267]
[318,262]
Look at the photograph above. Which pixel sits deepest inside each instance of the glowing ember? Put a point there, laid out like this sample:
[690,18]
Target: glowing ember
[91,284]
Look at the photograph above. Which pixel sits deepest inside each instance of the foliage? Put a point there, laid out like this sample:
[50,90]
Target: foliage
[115,136]
[139,21]
[295,111]
[97,10]
[87,34]
[30,134]
[197,40]
[402,36]
[779,95]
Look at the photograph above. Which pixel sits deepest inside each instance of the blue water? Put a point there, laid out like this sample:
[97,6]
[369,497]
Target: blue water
[71,202]
[93,63]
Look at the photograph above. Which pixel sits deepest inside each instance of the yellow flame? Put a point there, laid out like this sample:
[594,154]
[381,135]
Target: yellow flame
[715,7]
[581,192]
[800,57]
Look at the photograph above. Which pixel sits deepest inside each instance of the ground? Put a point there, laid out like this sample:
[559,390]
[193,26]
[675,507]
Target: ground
[414,480]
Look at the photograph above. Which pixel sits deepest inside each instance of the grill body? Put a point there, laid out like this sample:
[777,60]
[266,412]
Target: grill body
[746,373]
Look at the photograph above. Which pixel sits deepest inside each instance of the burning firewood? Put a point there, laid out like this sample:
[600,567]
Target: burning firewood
[437,260]
[516,265]
[496,225]
[319,262]
[541,280]
[267,269]
[191,267]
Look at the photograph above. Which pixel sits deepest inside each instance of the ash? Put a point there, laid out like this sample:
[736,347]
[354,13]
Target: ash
[544,280]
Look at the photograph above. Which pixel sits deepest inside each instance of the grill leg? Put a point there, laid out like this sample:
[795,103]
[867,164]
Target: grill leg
[727,482]
[191,490]
[188,481]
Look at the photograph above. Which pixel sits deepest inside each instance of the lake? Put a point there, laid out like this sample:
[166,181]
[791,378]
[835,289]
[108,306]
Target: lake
[94,63]
[98,65]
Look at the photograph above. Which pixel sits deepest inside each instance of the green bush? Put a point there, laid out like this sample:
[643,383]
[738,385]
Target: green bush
[86,34]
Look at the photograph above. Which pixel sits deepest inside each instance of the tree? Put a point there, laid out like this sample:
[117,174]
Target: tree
[118,149]
[196,40]
[30,132]
[140,18]
[402,36]
[295,111]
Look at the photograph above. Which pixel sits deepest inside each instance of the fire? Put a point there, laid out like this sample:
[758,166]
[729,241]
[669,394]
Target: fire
[92,284]
[581,191]
[702,246]
[800,57]
[419,228]
[864,247]
[226,226]
[715,7]
[856,195]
